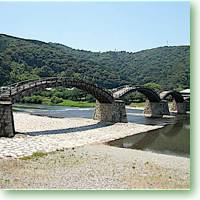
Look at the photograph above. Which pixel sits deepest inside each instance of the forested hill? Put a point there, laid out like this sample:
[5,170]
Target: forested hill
[22,59]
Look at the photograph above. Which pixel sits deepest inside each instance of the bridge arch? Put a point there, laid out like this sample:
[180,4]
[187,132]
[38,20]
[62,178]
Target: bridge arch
[107,108]
[177,96]
[180,105]
[18,90]
[151,94]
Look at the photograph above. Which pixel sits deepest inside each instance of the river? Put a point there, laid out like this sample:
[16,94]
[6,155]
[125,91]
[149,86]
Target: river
[173,138]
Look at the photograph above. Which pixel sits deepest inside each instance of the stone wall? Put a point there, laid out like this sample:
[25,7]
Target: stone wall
[6,119]
[115,112]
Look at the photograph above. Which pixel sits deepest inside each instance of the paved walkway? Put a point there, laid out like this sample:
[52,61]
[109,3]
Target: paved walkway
[51,134]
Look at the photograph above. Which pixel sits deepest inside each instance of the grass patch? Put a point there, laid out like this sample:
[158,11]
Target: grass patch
[70,103]
[76,103]
[38,154]
[47,101]
[4,180]
[139,105]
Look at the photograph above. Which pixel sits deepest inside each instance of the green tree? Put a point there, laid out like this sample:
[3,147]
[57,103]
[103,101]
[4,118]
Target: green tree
[56,100]
[153,86]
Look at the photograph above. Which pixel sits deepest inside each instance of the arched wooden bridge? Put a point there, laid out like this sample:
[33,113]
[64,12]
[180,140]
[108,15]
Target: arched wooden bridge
[25,88]
[109,106]
[150,94]
[177,96]
[18,90]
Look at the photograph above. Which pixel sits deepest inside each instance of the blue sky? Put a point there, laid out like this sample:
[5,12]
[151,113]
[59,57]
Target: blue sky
[98,26]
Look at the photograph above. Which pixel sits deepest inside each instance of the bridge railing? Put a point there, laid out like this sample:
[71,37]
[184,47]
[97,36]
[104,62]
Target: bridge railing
[7,90]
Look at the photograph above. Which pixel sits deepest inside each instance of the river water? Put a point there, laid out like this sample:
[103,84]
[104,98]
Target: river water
[173,138]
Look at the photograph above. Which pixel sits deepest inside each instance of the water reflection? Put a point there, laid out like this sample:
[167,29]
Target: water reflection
[172,139]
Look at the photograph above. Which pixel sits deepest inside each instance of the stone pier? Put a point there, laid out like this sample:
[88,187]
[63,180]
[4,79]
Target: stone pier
[153,109]
[165,107]
[114,112]
[187,105]
[180,108]
[6,119]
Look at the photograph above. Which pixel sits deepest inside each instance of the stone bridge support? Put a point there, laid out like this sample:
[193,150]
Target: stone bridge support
[153,109]
[114,112]
[180,108]
[6,119]
[187,105]
[165,107]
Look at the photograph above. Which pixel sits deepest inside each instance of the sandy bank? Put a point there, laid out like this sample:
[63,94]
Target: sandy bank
[97,167]
[76,161]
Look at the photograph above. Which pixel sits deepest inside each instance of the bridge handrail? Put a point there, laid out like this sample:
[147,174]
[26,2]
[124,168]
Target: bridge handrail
[17,85]
[27,81]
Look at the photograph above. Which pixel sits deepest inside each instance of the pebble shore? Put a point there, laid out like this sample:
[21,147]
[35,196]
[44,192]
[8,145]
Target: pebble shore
[96,167]
[38,133]
[77,159]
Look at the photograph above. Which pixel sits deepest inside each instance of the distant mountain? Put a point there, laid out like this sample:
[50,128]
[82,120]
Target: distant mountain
[22,59]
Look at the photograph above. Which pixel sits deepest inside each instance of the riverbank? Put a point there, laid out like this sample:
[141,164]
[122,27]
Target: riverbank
[140,105]
[53,153]
[50,134]
[104,167]
[69,103]
[80,104]
[135,107]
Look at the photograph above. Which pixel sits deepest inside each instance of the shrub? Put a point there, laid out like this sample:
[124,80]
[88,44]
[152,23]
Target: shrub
[56,100]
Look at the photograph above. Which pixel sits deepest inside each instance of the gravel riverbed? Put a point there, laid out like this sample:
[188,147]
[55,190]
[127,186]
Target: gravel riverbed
[49,134]
[77,159]
[96,167]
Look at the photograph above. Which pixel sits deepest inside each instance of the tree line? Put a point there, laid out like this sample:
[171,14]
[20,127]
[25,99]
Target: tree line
[22,59]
